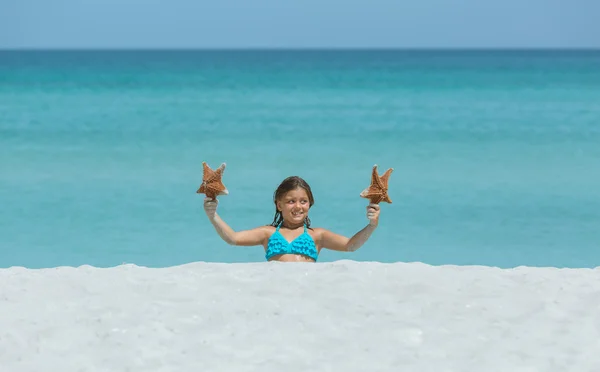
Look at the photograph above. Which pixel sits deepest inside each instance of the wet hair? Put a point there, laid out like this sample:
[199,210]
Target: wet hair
[289,184]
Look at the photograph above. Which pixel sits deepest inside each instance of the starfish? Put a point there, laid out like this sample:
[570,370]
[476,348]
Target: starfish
[211,182]
[377,191]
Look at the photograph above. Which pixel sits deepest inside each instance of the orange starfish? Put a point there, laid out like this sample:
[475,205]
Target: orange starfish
[212,185]
[377,191]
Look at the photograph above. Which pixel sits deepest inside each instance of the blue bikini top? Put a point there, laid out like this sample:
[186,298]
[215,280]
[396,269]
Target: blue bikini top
[304,245]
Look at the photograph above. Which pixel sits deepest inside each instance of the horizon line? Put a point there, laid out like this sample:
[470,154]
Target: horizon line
[257,48]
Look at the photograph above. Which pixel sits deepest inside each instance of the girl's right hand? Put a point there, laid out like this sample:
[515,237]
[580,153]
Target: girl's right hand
[210,207]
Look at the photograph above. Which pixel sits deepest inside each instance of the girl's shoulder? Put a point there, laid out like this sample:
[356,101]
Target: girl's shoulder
[317,232]
[268,229]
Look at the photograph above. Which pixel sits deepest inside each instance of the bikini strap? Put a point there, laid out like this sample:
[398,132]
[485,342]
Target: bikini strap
[277,229]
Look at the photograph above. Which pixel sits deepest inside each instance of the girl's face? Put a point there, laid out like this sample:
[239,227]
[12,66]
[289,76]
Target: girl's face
[294,206]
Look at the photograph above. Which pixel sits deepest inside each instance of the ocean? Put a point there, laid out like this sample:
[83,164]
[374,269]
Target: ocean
[496,153]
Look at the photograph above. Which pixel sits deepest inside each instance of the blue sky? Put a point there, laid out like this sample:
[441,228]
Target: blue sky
[299,24]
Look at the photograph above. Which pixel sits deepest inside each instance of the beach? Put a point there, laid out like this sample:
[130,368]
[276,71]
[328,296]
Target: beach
[487,259]
[335,316]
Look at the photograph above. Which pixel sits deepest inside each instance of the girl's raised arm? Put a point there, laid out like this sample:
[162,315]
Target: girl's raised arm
[252,237]
[336,242]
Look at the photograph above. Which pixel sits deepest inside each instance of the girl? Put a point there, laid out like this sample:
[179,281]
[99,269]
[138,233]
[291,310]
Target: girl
[289,237]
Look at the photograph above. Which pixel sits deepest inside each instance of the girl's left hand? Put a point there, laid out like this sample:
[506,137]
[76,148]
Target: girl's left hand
[373,214]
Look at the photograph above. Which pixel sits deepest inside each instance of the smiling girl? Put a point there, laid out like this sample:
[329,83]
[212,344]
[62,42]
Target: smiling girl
[290,237]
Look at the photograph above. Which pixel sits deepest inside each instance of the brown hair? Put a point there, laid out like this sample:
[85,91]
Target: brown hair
[288,184]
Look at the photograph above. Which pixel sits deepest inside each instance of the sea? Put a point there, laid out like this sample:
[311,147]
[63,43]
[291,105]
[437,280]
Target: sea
[495,153]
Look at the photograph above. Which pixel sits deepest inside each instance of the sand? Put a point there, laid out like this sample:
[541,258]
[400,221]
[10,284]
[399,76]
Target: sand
[340,316]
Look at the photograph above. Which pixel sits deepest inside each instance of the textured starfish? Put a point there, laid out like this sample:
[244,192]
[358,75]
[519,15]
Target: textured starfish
[212,185]
[377,192]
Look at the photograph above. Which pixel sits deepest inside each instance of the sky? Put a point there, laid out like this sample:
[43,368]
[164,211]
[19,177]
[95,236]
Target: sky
[197,24]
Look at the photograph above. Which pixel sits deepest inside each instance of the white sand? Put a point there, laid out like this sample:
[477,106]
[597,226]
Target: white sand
[343,316]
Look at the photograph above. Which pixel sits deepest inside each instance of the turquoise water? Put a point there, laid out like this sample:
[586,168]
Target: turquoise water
[496,154]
